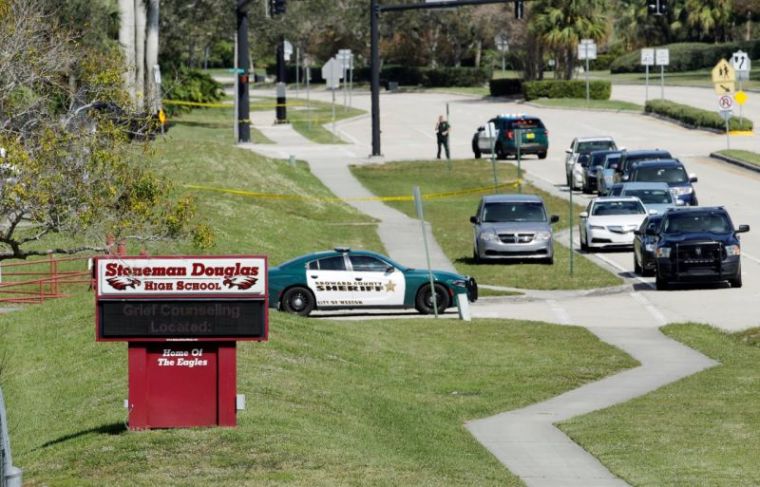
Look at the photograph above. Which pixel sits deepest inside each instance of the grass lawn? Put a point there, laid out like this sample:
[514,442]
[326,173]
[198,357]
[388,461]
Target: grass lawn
[700,78]
[742,155]
[309,119]
[578,103]
[701,430]
[329,402]
[453,230]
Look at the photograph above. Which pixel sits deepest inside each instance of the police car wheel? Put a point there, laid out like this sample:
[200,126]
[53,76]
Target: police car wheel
[298,300]
[424,301]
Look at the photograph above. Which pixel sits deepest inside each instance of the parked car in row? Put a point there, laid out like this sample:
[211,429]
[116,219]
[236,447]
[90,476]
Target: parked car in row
[631,158]
[609,222]
[656,197]
[697,245]
[512,226]
[605,177]
[593,167]
[668,171]
[504,134]
[644,240]
[579,146]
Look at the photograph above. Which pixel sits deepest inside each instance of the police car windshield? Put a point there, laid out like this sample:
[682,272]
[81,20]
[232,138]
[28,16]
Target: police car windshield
[606,208]
[514,212]
[595,145]
[675,174]
[651,196]
[712,221]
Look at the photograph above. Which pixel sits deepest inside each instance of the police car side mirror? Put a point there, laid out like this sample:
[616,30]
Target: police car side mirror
[554,218]
[568,151]
[742,229]
[583,214]
[475,220]
[693,178]
[481,128]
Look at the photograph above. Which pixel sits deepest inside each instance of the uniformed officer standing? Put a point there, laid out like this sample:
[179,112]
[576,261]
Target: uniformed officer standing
[442,129]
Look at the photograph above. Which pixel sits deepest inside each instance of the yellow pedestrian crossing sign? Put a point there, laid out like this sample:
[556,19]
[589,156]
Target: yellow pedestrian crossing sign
[723,72]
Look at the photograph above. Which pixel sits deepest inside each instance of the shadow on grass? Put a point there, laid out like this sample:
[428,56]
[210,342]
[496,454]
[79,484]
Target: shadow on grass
[112,429]
[208,125]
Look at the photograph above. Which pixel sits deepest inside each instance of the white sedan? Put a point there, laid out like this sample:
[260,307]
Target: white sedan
[609,222]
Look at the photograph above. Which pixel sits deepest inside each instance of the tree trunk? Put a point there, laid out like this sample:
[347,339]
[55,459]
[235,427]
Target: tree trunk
[151,57]
[140,55]
[478,52]
[127,41]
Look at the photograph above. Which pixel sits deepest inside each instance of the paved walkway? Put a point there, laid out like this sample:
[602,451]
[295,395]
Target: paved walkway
[525,440]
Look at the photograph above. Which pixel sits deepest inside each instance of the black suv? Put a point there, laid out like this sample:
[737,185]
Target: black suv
[697,245]
[632,157]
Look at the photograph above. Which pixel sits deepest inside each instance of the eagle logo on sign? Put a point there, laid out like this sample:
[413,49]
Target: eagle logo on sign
[123,282]
[240,282]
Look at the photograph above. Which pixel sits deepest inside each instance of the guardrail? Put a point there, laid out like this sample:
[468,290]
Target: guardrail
[10,476]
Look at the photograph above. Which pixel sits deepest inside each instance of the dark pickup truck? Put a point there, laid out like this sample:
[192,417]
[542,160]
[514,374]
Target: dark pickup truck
[697,245]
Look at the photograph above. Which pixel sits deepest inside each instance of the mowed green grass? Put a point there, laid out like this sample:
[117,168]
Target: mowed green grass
[453,230]
[742,155]
[309,117]
[701,430]
[376,402]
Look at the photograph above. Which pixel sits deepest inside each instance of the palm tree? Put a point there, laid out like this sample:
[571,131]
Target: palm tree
[711,18]
[560,25]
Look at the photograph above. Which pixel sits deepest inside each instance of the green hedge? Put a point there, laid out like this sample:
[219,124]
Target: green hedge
[695,117]
[598,90]
[688,56]
[505,87]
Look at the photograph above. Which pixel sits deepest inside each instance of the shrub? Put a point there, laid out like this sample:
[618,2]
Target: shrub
[695,117]
[185,84]
[688,56]
[505,87]
[598,90]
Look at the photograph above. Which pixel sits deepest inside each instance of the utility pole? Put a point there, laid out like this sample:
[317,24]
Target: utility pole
[282,113]
[374,15]
[243,98]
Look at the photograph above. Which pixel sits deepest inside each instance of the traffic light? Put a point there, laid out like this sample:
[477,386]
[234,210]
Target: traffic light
[657,7]
[276,7]
[519,9]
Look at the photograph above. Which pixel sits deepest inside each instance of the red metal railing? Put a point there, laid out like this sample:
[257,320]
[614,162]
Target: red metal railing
[35,281]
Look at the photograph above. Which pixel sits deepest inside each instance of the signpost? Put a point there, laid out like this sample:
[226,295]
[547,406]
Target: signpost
[742,65]
[726,106]
[647,59]
[182,317]
[502,44]
[331,73]
[421,216]
[587,51]
[662,59]
[345,59]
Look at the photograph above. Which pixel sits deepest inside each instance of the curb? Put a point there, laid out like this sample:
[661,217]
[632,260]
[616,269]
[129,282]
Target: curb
[735,162]
[585,109]
[682,124]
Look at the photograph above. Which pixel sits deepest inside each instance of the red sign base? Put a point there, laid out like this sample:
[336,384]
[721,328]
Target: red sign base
[182,385]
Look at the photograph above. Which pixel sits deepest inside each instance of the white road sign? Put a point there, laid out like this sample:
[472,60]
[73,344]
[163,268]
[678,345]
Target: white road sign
[502,42]
[726,103]
[332,73]
[587,50]
[647,56]
[345,58]
[662,57]
[742,64]
[287,49]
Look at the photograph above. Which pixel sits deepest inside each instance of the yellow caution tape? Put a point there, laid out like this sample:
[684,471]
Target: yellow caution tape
[431,196]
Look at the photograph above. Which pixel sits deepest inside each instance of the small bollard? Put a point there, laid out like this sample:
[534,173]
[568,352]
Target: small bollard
[463,303]
[292,160]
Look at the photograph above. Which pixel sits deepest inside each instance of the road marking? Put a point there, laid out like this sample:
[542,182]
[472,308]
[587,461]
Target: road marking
[650,307]
[753,259]
[559,312]
[618,266]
